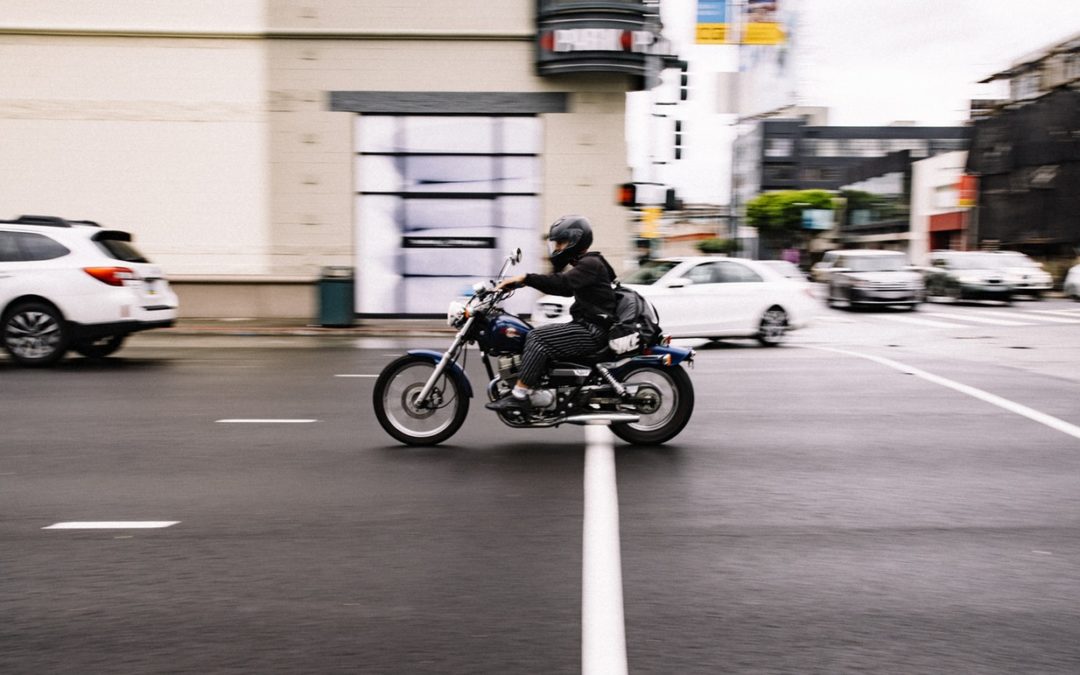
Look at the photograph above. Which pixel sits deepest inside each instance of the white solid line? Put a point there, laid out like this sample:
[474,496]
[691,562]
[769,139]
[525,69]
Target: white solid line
[603,629]
[1028,316]
[964,317]
[348,375]
[1072,313]
[1013,407]
[112,525]
[921,322]
[259,421]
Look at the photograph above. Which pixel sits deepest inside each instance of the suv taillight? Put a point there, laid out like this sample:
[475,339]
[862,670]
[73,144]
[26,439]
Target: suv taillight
[114,276]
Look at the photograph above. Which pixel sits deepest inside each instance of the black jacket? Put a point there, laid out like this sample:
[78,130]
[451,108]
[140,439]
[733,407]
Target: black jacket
[589,281]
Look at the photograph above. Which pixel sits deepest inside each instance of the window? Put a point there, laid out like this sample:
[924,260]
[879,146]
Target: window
[779,147]
[441,199]
[118,249]
[702,274]
[730,272]
[28,246]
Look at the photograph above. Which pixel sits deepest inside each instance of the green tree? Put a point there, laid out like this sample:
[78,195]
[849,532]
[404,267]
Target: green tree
[778,215]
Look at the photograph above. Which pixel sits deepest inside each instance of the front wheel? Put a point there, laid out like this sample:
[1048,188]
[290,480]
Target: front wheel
[413,422]
[665,401]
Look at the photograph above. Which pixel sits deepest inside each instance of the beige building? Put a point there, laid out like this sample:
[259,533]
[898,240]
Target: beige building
[251,143]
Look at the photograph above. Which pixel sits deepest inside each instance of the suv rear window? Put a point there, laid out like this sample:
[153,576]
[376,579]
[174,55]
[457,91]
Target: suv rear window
[26,246]
[118,249]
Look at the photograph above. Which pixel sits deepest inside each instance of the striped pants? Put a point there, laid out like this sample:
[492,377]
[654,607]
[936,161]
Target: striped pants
[556,341]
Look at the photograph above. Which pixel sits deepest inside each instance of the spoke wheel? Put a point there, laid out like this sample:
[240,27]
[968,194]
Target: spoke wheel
[665,401]
[404,416]
[35,334]
[773,327]
[101,347]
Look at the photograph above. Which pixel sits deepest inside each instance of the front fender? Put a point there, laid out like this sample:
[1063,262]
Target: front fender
[455,370]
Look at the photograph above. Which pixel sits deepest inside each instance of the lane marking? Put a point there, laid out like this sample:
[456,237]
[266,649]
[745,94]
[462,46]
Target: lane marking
[350,375]
[964,317]
[1004,403]
[1027,316]
[1071,313]
[112,525]
[922,322]
[603,628]
[264,421]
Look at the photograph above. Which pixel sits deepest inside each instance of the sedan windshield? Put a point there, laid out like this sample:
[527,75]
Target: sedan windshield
[649,272]
[977,261]
[890,263]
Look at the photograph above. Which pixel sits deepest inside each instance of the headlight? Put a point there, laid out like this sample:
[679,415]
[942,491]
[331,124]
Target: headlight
[455,315]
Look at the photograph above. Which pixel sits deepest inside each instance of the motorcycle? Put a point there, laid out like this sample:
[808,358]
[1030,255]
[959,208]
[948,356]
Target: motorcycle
[422,398]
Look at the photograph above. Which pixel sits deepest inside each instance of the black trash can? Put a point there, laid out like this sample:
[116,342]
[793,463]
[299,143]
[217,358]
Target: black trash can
[336,297]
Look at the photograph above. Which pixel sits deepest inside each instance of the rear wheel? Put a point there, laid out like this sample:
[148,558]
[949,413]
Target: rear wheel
[34,334]
[406,419]
[773,327]
[665,401]
[101,347]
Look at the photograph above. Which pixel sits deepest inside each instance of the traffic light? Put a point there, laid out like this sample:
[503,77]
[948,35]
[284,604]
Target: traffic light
[678,139]
[627,194]
[684,80]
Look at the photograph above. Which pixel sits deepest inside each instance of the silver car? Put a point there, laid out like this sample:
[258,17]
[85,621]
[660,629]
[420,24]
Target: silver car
[867,277]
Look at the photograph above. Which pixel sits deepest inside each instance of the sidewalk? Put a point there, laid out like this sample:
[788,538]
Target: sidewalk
[304,327]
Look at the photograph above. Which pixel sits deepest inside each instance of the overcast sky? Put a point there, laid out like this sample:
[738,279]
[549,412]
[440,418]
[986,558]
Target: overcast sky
[875,61]
[871,62]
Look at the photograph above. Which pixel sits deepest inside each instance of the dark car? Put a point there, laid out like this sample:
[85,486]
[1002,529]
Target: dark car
[967,275]
[865,277]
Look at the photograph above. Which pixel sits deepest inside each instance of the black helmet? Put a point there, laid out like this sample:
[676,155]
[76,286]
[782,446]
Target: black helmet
[576,232]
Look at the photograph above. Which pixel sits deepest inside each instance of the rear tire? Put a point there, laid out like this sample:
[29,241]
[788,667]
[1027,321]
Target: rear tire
[34,334]
[672,409]
[100,347]
[394,401]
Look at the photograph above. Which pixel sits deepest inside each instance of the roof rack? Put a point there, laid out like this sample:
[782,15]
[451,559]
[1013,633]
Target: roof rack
[50,221]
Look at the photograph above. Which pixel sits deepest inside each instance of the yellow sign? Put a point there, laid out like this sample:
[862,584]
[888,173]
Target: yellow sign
[763,34]
[712,23]
[650,222]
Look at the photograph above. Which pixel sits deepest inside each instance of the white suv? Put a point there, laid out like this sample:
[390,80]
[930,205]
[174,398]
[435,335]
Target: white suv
[71,284]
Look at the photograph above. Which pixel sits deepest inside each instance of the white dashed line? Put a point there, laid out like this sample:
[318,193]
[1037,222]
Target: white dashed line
[261,421]
[350,375]
[112,525]
[976,319]
[603,628]
[1027,316]
[1013,407]
[1073,313]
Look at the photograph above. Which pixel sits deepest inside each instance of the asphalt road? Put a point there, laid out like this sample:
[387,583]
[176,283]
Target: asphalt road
[823,512]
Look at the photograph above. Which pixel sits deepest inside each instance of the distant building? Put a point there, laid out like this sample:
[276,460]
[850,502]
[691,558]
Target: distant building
[940,205]
[1026,154]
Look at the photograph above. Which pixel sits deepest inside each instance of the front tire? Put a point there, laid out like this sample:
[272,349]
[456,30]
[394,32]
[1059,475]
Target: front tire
[773,327]
[399,415]
[34,334]
[667,408]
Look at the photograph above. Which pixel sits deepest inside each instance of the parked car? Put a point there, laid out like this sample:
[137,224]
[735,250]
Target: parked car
[711,297]
[819,271]
[1071,286]
[870,277]
[71,284]
[1026,276]
[967,275]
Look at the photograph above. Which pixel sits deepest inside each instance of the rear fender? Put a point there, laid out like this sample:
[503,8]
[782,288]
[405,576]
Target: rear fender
[455,370]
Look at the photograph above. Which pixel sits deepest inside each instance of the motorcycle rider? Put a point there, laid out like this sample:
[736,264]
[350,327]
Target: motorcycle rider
[588,280]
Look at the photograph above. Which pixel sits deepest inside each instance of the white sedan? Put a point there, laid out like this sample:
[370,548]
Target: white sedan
[711,297]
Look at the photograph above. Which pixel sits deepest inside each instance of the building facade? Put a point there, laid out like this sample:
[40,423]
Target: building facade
[250,144]
[1026,155]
